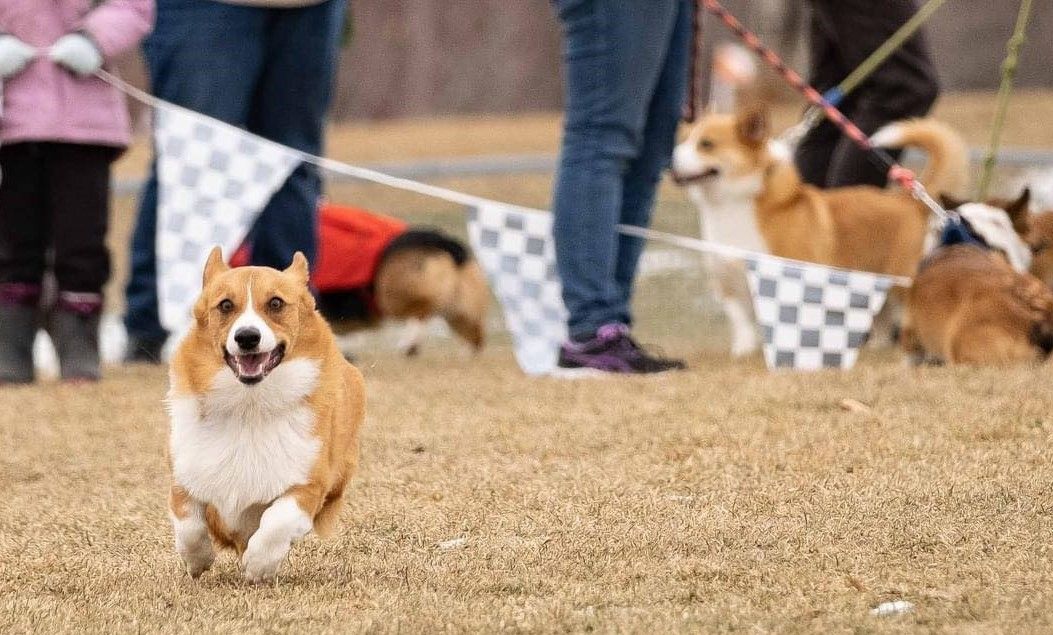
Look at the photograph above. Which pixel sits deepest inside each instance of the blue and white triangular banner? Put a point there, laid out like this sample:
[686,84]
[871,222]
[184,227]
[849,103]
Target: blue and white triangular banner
[516,250]
[214,180]
[813,317]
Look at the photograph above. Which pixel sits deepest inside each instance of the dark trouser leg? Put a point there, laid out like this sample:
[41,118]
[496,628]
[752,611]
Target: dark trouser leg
[23,243]
[826,70]
[289,107]
[205,56]
[613,55]
[23,217]
[904,86]
[79,192]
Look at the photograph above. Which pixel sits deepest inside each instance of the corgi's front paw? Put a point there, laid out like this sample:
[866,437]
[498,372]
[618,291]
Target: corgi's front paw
[198,557]
[744,344]
[260,564]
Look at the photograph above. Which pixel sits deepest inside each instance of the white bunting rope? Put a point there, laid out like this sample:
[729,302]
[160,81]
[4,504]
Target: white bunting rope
[461,198]
[737,253]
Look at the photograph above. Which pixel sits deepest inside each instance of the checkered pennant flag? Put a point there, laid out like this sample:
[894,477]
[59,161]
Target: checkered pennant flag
[214,180]
[516,250]
[813,317]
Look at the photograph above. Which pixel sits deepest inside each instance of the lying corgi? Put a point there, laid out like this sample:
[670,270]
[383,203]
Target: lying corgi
[750,195]
[418,275]
[265,414]
[1040,238]
[371,268]
[974,302]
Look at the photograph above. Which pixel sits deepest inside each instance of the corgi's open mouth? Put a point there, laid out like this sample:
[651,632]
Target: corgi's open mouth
[251,368]
[684,179]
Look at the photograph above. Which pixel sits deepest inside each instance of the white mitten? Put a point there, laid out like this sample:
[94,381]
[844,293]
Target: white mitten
[14,55]
[77,53]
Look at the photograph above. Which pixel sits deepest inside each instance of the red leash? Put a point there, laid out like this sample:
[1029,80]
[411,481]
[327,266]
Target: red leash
[901,175]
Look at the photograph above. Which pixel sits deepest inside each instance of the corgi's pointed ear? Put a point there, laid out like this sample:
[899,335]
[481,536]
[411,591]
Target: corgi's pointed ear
[1019,212]
[752,126]
[214,266]
[299,268]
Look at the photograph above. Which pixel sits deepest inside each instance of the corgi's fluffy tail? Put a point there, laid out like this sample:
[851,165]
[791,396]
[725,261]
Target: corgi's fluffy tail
[947,170]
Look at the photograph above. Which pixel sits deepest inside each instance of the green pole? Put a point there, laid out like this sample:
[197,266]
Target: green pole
[1004,90]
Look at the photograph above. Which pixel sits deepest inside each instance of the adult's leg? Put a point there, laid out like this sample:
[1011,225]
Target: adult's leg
[826,70]
[289,107]
[904,86]
[205,56]
[641,180]
[613,54]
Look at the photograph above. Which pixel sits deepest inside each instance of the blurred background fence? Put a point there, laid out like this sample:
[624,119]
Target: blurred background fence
[413,58]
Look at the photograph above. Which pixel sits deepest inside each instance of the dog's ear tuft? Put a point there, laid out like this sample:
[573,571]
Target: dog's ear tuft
[951,202]
[752,126]
[200,309]
[299,268]
[214,266]
[1019,212]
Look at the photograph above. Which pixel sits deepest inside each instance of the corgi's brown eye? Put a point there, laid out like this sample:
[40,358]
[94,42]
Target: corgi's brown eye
[706,144]
[275,304]
[226,306]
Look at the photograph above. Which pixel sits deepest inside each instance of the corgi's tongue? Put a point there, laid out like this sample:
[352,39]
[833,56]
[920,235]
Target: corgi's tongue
[250,365]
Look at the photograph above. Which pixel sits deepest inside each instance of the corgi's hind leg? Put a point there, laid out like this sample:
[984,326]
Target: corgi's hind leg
[192,541]
[992,346]
[412,335]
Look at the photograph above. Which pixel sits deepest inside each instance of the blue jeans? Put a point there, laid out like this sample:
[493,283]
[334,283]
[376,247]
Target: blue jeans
[269,71]
[626,65]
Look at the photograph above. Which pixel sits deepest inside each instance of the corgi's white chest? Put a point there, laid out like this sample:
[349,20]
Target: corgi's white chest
[731,222]
[240,446]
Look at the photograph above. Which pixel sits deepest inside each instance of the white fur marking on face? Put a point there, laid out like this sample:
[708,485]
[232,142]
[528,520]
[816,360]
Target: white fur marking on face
[192,541]
[235,448]
[249,318]
[280,526]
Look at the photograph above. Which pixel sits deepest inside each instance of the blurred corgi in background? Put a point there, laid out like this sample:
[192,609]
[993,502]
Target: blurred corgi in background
[371,268]
[750,195]
[973,300]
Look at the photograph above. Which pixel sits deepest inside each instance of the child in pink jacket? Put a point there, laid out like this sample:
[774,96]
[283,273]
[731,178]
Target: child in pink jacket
[60,129]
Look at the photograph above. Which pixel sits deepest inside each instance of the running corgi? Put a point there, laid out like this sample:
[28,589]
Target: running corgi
[265,414]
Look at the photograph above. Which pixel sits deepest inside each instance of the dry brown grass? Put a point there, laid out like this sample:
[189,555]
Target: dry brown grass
[721,499]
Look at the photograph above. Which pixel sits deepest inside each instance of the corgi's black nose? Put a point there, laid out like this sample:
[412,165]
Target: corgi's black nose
[248,338]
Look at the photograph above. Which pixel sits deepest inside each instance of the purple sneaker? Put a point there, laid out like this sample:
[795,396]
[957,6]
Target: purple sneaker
[612,350]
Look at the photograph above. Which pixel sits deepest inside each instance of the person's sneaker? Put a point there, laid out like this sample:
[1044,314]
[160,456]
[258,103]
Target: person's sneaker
[144,351]
[613,350]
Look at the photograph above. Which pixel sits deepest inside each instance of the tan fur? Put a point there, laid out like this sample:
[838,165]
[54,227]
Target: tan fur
[947,170]
[424,283]
[338,401]
[1040,237]
[968,306]
[861,227]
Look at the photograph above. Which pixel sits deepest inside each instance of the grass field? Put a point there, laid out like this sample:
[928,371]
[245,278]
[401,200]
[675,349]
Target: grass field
[720,499]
